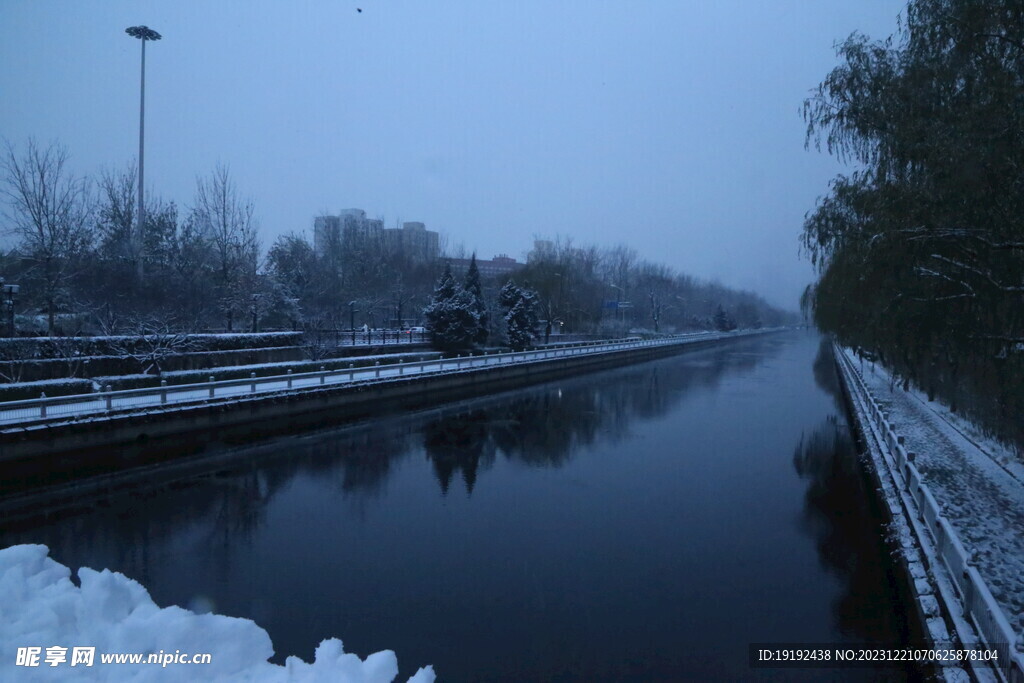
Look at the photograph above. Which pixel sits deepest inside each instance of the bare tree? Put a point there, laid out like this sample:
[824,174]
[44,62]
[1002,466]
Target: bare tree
[15,355]
[191,265]
[227,223]
[117,218]
[49,215]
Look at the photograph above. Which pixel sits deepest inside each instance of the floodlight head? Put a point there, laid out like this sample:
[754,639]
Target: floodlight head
[142,33]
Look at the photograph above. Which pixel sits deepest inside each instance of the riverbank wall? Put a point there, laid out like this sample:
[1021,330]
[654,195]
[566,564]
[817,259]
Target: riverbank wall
[158,433]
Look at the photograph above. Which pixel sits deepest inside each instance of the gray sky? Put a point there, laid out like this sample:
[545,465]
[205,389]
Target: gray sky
[670,126]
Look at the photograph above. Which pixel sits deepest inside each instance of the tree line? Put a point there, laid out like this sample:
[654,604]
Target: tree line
[84,266]
[920,250]
[612,291]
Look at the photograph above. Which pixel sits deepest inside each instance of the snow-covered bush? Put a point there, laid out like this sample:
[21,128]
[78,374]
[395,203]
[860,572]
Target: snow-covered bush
[57,347]
[52,387]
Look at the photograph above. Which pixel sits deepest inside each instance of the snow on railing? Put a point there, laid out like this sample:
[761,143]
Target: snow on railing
[979,606]
[48,409]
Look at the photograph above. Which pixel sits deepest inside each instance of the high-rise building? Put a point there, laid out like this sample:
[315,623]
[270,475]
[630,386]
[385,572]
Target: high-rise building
[327,235]
[349,229]
[352,230]
[412,241]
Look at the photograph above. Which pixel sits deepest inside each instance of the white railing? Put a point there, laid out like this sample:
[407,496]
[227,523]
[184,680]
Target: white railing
[51,409]
[978,604]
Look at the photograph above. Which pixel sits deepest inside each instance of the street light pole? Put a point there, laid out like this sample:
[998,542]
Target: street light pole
[143,33]
[352,320]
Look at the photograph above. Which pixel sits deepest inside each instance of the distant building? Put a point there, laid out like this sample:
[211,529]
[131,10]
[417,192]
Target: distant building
[543,250]
[352,230]
[500,265]
[412,241]
[327,235]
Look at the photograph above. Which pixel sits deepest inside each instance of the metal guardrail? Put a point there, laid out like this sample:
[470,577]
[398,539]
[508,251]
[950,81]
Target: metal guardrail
[979,607]
[43,410]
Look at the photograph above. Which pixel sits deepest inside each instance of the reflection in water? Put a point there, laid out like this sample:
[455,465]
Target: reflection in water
[825,374]
[627,523]
[836,515]
[843,518]
[546,428]
[458,443]
[541,427]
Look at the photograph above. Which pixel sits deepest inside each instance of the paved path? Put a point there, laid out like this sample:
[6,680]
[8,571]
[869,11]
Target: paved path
[981,497]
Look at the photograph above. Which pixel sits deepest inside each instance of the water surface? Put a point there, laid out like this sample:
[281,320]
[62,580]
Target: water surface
[646,523]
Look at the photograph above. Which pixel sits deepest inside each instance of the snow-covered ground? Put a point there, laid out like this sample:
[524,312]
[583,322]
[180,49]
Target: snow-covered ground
[975,481]
[114,615]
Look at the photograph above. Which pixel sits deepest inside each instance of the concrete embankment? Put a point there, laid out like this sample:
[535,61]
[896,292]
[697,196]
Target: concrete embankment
[166,433]
[951,598]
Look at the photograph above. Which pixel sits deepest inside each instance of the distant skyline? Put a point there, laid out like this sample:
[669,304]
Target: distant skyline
[671,127]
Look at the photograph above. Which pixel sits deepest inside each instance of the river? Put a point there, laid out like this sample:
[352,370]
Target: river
[641,523]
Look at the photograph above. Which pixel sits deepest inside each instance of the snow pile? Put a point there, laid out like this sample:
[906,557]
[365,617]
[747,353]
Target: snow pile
[42,608]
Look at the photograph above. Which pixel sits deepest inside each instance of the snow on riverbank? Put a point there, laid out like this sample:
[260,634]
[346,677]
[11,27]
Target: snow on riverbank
[42,608]
[976,488]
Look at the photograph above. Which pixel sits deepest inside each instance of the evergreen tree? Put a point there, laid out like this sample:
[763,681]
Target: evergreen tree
[508,295]
[446,286]
[451,320]
[476,293]
[521,315]
[723,322]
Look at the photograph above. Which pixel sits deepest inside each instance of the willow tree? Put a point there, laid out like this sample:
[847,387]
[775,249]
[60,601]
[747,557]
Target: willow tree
[920,251]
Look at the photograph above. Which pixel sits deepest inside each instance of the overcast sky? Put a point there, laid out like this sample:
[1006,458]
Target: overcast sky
[672,126]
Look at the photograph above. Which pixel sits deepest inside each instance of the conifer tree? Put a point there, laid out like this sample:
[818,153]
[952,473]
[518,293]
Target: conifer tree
[521,314]
[451,320]
[475,290]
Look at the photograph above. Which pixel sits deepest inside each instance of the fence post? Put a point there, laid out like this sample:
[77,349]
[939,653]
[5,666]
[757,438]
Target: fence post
[376,372]
[211,386]
[458,361]
[351,372]
[252,383]
[42,406]
[108,397]
[323,375]
[163,391]
[401,368]
[289,378]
